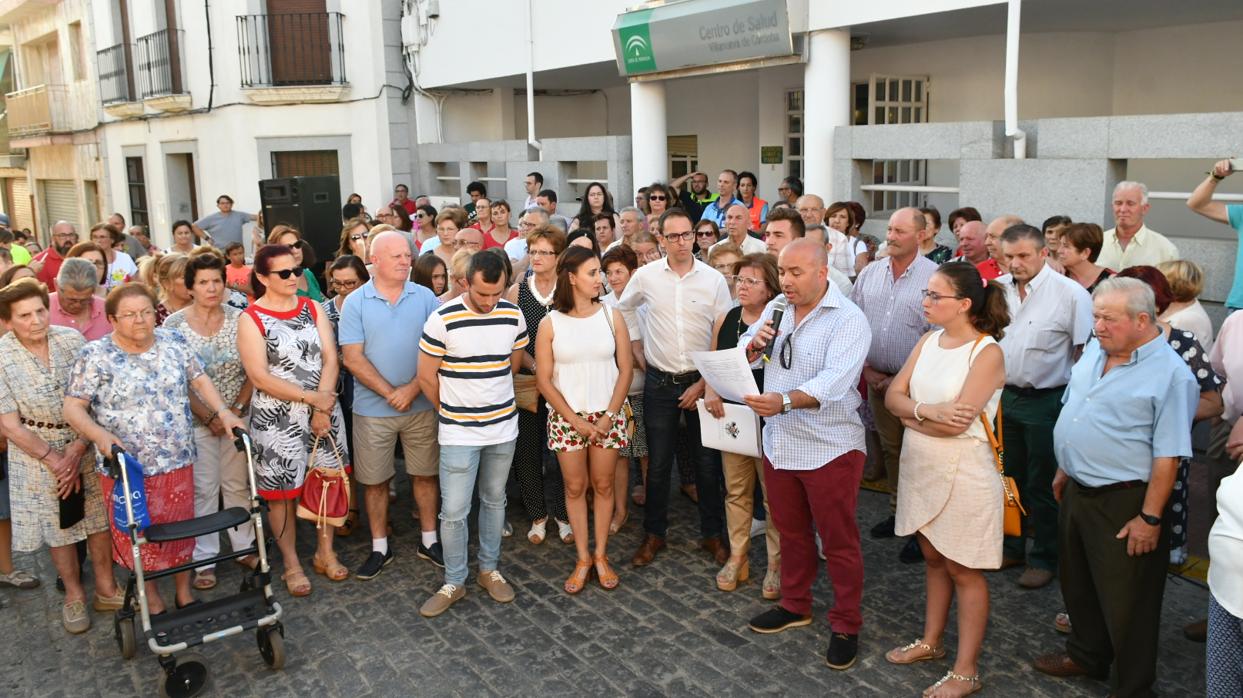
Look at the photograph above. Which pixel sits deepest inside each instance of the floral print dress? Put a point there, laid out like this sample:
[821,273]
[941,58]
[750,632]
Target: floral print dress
[281,429]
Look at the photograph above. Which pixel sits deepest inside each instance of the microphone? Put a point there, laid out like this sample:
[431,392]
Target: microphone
[779,309]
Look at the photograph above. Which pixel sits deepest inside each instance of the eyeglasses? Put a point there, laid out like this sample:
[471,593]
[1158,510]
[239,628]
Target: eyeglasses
[705,234]
[684,237]
[420,214]
[68,300]
[786,355]
[143,315]
[657,198]
[937,297]
[457,244]
[748,281]
[541,253]
[347,284]
[287,273]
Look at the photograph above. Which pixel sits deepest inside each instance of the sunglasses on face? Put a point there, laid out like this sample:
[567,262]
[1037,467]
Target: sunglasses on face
[657,198]
[287,273]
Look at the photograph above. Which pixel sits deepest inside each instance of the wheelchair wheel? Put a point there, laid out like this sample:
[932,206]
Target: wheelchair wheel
[188,678]
[123,631]
[272,645]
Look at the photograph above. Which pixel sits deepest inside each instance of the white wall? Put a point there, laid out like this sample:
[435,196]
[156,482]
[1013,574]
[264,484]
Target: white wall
[1178,69]
[598,113]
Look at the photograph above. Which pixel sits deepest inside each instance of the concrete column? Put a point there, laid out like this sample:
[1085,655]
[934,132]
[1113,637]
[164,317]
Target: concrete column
[826,105]
[649,136]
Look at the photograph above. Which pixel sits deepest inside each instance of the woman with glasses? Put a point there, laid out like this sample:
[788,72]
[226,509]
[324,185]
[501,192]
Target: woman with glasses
[596,200]
[707,234]
[425,224]
[645,247]
[949,494]
[209,327]
[289,353]
[757,207]
[659,199]
[757,283]
[354,239]
[723,257]
[345,275]
[132,389]
[94,254]
[541,486]
[170,278]
[308,285]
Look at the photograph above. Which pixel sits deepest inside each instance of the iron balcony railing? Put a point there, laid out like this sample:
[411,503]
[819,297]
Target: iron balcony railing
[160,59]
[297,48]
[115,84]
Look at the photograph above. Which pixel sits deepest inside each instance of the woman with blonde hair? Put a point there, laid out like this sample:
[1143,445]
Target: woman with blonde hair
[1185,312]
[170,285]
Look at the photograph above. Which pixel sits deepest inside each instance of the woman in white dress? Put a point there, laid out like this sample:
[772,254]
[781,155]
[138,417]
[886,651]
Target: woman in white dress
[949,492]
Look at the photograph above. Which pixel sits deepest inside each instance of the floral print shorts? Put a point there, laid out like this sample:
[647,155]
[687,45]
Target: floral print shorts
[562,437]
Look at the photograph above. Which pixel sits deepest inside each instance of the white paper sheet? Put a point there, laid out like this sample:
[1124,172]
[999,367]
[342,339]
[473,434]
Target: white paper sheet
[727,371]
[737,432]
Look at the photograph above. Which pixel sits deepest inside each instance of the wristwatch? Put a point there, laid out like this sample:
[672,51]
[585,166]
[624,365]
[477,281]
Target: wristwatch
[786,406]
[1149,519]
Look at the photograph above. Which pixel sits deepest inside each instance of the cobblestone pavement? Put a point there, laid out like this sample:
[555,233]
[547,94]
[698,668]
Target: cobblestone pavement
[665,631]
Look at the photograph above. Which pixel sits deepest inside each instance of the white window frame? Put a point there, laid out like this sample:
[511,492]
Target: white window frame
[897,99]
[794,108]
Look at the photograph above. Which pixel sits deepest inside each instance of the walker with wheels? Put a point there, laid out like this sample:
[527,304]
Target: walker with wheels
[178,629]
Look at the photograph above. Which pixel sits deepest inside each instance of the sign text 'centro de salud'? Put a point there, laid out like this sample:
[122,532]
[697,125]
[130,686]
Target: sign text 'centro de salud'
[700,32]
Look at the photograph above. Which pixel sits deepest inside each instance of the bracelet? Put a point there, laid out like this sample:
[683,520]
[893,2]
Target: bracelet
[239,407]
[1214,176]
[48,453]
[916,412]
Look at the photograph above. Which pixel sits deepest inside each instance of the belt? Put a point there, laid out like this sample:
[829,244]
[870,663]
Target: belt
[1034,392]
[43,425]
[1112,487]
[675,378]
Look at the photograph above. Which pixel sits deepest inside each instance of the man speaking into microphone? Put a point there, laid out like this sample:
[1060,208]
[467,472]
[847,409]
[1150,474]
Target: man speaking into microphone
[813,442]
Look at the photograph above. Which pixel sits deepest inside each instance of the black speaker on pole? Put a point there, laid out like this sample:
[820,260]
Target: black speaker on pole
[312,205]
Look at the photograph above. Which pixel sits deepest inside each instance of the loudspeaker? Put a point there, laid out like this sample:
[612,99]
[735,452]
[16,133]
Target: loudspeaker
[312,205]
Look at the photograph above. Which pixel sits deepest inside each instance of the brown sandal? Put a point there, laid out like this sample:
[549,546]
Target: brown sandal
[578,578]
[604,572]
[334,571]
[925,652]
[296,582]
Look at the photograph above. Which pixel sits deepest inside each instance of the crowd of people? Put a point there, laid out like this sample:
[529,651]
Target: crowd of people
[1074,361]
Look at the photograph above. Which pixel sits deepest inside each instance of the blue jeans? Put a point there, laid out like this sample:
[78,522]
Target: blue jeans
[661,415]
[459,466]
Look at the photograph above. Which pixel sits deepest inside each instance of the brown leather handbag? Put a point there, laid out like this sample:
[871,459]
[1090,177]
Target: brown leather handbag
[526,393]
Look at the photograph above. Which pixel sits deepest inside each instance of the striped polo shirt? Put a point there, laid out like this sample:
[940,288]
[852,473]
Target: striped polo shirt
[476,380]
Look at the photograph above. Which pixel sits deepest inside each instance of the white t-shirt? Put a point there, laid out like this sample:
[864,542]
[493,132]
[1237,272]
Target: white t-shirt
[476,378]
[121,269]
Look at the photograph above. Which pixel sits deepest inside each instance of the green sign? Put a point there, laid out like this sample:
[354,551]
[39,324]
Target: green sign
[770,155]
[636,43]
[694,33]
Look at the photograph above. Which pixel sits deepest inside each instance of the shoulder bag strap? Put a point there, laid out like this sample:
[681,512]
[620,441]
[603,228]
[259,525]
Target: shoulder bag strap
[994,438]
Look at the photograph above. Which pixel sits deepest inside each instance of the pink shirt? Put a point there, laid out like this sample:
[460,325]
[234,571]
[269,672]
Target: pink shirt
[1227,359]
[97,326]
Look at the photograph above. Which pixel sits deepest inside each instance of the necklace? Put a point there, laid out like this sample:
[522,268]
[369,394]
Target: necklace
[542,299]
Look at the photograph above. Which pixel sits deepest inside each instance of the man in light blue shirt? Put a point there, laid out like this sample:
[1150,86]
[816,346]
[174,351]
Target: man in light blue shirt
[379,331]
[727,183]
[1125,425]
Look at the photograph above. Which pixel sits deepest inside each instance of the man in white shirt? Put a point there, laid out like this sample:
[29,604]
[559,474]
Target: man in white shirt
[533,183]
[736,219]
[1050,321]
[683,298]
[1132,243]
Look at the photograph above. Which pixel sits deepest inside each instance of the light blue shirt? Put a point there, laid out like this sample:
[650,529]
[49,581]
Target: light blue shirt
[826,356]
[715,212]
[390,335]
[1235,300]
[1112,426]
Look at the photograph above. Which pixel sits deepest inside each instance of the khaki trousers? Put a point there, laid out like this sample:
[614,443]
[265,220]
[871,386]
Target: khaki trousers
[889,428]
[741,473]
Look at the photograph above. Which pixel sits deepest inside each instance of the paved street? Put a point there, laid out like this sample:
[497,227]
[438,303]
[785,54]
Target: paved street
[665,631]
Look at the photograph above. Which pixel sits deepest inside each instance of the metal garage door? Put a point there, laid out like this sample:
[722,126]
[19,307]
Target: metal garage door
[60,202]
[20,215]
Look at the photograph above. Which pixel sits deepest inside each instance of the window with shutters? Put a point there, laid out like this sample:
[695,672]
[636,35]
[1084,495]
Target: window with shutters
[304,163]
[683,155]
[794,133]
[136,182]
[897,99]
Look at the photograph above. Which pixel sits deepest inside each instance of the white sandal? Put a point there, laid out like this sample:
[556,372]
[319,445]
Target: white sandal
[565,532]
[538,532]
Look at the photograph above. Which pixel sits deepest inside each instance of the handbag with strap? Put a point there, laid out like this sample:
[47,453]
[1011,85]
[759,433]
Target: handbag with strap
[626,409]
[326,492]
[526,393]
[1014,512]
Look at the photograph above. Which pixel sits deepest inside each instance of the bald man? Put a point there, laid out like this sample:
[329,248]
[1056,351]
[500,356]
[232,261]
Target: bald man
[971,241]
[380,322]
[737,218]
[813,443]
[994,266]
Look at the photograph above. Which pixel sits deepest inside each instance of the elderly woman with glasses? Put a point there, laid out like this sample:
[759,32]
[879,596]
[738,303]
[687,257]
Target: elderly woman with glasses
[75,305]
[49,472]
[209,327]
[132,389]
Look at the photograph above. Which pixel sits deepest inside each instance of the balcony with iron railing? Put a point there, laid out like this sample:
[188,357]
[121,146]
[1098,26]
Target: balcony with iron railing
[116,81]
[298,56]
[160,59]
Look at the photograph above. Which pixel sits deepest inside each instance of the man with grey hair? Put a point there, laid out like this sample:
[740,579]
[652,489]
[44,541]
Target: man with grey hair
[64,236]
[1050,320]
[1131,243]
[631,222]
[1125,424]
[74,304]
